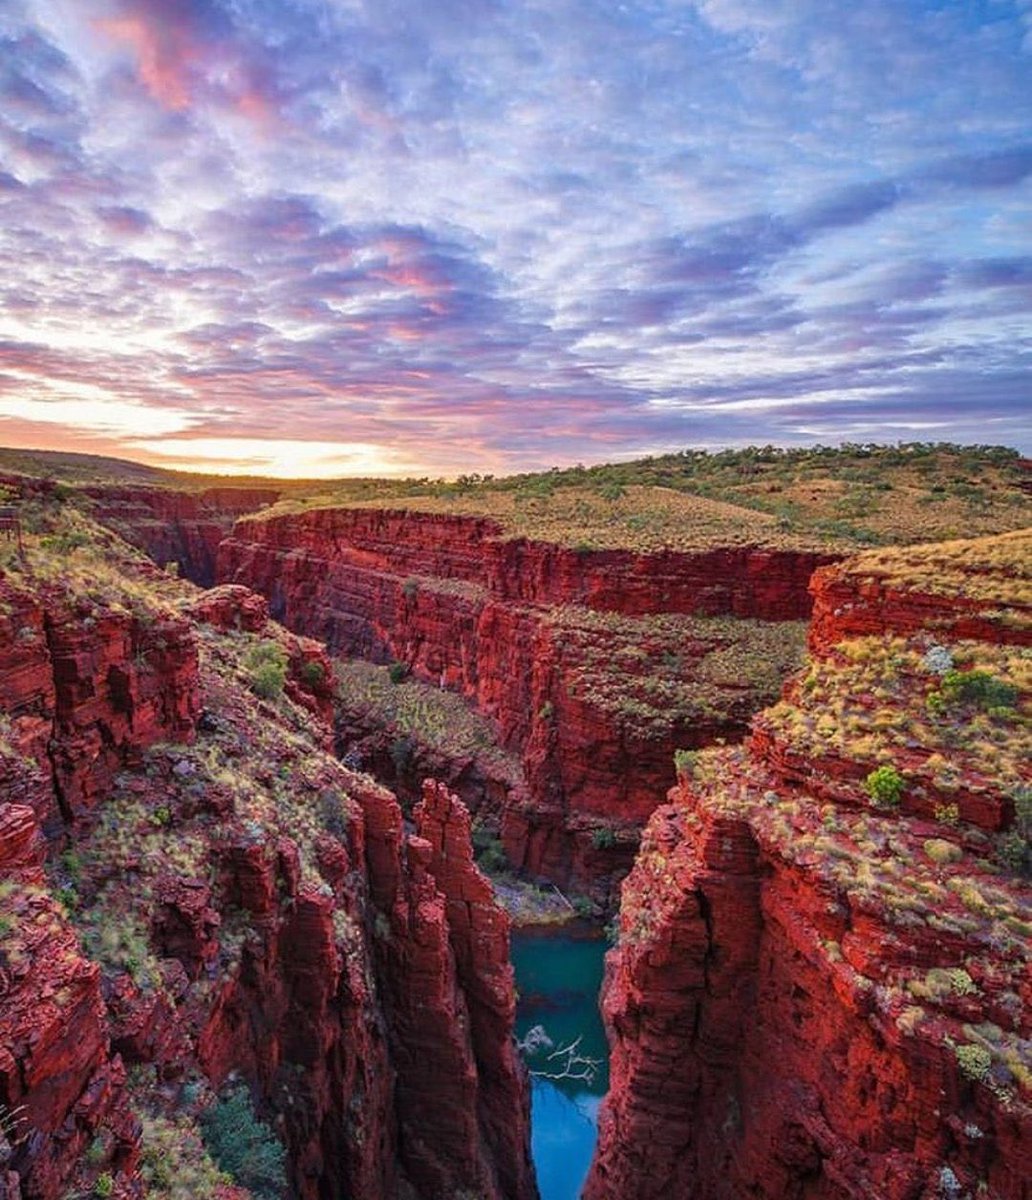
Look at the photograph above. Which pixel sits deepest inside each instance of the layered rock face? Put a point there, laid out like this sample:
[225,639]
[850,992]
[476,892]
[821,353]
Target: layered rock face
[822,981]
[450,1002]
[176,527]
[568,652]
[87,685]
[215,904]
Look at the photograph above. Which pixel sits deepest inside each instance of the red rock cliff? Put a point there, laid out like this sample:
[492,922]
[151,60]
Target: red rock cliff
[545,640]
[821,988]
[210,918]
[444,949]
[179,527]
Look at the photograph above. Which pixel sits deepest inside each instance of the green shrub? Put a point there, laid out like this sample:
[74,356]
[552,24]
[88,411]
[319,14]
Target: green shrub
[684,763]
[403,753]
[1014,848]
[397,672]
[488,851]
[332,813]
[885,786]
[975,1061]
[979,688]
[266,665]
[1013,852]
[941,851]
[65,543]
[313,673]
[105,1185]
[603,838]
[244,1146]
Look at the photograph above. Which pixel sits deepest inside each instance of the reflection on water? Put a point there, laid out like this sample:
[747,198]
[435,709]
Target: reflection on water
[558,975]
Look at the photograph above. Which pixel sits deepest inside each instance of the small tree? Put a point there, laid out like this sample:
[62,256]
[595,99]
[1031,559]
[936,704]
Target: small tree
[244,1146]
[267,665]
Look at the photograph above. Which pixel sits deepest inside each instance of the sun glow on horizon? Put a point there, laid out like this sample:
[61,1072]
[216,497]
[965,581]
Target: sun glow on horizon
[277,459]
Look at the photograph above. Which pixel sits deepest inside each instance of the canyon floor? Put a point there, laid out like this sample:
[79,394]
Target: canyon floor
[263,746]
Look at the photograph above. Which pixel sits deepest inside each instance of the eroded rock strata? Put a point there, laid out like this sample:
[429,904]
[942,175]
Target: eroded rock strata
[195,896]
[178,527]
[568,652]
[822,981]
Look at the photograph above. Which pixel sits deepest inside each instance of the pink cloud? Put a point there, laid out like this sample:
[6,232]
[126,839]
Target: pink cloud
[181,62]
[164,56]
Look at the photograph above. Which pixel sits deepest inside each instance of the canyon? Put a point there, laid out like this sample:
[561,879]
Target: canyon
[594,667]
[818,989]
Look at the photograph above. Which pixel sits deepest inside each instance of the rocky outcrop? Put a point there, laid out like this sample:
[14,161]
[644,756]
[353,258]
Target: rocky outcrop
[545,640]
[215,911]
[59,1084]
[744,581]
[88,685]
[820,988]
[170,526]
[971,589]
[444,947]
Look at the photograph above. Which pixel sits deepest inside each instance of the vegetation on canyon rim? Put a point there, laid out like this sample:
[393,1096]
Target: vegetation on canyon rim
[815,497]
[897,770]
[822,497]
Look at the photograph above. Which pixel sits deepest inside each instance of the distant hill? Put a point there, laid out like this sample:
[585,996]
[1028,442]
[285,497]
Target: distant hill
[842,497]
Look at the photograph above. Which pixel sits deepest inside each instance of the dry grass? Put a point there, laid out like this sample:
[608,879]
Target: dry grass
[439,720]
[655,674]
[832,499]
[643,519]
[997,569]
[870,702]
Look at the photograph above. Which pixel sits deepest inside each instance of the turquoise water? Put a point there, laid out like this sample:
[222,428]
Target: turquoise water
[558,976]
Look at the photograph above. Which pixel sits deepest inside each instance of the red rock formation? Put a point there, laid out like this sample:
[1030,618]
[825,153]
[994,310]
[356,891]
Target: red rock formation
[763,1045]
[309,681]
[224,888]
[59,1085]
[868,596]
[122,682]
[813,998]
[478,928]
[87,686]
[745,581]
[444,950]
[180,527]
[463,607]
[231,607]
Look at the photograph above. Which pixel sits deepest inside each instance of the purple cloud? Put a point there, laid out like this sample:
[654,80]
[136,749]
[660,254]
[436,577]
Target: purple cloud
[477,233]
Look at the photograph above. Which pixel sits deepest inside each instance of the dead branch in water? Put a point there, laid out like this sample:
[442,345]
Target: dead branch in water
[568,1060]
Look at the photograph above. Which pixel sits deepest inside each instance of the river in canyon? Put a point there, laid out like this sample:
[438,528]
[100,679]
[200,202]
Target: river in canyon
[558,976]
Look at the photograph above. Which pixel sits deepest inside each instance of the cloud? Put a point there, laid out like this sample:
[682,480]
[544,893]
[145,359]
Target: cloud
[474,233]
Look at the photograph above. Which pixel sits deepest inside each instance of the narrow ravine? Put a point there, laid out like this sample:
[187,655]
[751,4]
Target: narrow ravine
[558,977]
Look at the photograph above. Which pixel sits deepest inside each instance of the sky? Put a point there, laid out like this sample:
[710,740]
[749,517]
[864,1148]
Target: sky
[337,237]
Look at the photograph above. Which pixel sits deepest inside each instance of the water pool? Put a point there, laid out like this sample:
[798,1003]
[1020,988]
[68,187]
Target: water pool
[558,976]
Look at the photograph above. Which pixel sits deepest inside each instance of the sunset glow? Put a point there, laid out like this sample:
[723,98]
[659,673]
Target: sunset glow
[393,238]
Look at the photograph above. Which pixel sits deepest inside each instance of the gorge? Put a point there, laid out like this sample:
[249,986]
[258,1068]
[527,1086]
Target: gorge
[815,991]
